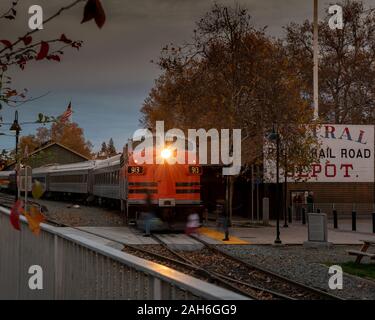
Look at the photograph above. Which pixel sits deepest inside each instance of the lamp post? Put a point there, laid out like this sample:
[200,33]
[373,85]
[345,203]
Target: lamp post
[285,188]
[274,136]
[17,129]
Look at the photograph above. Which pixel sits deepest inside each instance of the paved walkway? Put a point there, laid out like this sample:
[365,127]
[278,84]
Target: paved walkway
[364,226]
[294,234]
[132,236]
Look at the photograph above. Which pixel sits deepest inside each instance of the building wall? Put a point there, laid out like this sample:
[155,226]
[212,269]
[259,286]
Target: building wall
[337,192]
[57,154]
[344,197]
[52,155]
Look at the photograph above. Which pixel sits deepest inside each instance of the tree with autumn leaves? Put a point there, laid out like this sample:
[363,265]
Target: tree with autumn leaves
[107,150]
[27,48]
[346,64]
[68,134]
[31,48]
[233,76]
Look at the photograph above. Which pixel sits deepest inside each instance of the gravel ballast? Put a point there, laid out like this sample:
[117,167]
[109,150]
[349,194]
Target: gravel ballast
[82,216]
[307,265]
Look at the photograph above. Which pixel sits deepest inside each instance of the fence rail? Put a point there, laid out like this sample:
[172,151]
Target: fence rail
[75,267]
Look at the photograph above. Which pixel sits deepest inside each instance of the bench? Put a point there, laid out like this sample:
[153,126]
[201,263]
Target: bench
[370,242]
[363,252]
[360,253]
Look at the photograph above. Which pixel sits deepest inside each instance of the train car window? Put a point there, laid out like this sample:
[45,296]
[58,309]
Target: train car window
[81,178]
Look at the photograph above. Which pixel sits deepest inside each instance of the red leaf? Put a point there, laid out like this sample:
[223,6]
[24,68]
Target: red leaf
[11,93]
[100,14]
[6,43]
[94,10]
[15,215]
[54,57]
[89,11]
[27,40]
[44,48]
[64,39]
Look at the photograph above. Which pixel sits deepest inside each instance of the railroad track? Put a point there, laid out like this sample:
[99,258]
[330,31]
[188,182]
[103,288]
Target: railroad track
[250,290]
[257,283]
[216,266]
[274,281]
[6,200]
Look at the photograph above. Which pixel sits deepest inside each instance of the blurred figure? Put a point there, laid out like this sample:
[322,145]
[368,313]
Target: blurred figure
[223,221]
[220,215]
[310,202]
[149,215]
[193,224]
[298,206]
[205,216]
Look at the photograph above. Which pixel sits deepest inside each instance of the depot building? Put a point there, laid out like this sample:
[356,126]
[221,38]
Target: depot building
[344,178]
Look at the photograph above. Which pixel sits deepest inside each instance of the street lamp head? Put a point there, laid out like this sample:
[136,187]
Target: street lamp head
[15,126]
[273,135]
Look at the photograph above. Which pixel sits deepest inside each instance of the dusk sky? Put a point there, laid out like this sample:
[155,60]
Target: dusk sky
[109,78]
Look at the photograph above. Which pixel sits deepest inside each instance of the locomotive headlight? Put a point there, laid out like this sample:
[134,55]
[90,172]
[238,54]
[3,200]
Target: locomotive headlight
[166,154]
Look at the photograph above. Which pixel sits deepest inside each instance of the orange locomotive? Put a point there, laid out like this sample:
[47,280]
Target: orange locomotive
[172,190]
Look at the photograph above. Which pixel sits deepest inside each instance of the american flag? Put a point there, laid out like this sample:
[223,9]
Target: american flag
[67,114]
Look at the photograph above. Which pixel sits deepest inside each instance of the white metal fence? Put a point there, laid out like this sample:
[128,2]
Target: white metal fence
[75,267]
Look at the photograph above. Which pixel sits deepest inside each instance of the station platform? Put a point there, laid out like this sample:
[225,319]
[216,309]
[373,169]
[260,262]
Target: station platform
[115,236]
[295,234]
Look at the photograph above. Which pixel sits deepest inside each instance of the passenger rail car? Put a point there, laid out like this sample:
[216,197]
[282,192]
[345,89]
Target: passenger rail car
[68,179]
[171,191]
[106,179]
[6,180]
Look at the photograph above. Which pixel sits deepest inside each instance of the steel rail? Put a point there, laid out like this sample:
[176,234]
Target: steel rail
[224,277]
[269,273]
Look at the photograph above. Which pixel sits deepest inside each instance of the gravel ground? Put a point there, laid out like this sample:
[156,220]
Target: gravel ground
[306,266]
[82,216]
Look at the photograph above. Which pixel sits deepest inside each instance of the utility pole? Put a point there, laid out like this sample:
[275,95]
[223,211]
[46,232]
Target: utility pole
[316,59]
